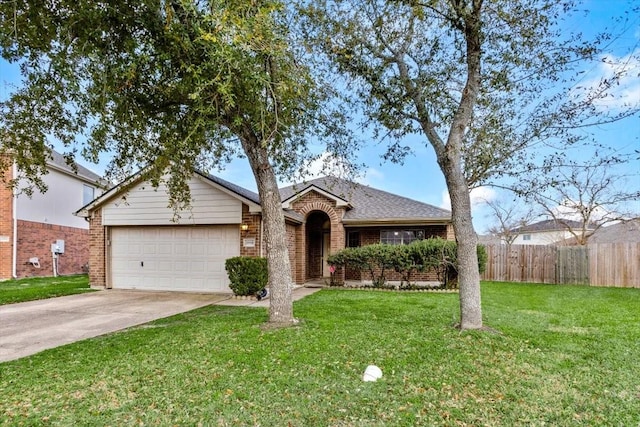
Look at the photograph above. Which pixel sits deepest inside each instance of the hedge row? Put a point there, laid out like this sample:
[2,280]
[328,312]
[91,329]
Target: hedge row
[435,255]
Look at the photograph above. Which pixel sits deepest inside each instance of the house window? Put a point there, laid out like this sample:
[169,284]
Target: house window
[353,239]
[87,194]
[526,237]
[399,237]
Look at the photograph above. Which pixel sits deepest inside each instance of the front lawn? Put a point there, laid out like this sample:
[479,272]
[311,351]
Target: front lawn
[564,356]
[33,288]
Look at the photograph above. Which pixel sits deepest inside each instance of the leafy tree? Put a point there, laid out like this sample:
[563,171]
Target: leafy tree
[167,86]
[479,80]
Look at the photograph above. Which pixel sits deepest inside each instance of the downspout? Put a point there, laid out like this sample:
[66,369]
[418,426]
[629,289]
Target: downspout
[14,267]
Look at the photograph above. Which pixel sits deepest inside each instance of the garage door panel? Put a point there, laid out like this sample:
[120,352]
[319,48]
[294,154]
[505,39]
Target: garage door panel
[199,249]
[149,249]
[174,258]
[181,267]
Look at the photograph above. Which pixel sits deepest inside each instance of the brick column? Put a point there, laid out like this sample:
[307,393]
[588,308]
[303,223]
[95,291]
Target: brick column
[6,226]
[97,250]
[450,233]
[253,222]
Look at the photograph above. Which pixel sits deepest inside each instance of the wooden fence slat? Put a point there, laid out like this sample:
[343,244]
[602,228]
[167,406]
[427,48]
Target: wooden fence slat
[573,265]
[602,264]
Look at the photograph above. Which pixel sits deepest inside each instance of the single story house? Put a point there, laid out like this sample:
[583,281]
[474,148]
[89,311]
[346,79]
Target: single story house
[137,242]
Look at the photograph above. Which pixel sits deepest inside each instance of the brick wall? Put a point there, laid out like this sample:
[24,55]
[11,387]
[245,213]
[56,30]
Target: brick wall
[299,265]
[6,226]
[97,255]
[35,239]
[291,247]
[307,260]
[253,232]
[450,233]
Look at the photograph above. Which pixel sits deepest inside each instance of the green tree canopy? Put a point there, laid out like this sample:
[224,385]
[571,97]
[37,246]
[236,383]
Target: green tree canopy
[168,86]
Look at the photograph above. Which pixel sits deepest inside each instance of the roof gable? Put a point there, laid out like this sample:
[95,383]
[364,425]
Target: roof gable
[286,203]
[367,204]
[245,196]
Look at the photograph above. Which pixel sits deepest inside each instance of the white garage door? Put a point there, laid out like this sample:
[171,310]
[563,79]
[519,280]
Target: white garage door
[173,258]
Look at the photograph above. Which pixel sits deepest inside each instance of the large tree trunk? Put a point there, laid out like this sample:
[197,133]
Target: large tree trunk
[467,242]
[275,234]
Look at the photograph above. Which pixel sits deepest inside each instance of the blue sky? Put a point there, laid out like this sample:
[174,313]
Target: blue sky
[419,177]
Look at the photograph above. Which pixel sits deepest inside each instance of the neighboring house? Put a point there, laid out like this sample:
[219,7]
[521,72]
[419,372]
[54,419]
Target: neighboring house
[545,232]
[622,232]
[136,244]
[490,239]
[31,228]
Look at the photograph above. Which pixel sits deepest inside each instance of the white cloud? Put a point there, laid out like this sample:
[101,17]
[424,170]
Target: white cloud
[479,196]
[328,165]
[570,211]
[370,177]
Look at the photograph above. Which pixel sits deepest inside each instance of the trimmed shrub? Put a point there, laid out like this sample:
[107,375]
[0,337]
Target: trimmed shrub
[248,275]
[437,255]
[375,259]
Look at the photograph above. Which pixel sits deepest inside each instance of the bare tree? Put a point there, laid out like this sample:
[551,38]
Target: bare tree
[582,198]
[507,216]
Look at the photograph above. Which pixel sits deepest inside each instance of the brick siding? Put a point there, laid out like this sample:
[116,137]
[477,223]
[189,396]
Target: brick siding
[97,251]
[291,248]
[35,239]
[253,232]
[308,261]
[6,226]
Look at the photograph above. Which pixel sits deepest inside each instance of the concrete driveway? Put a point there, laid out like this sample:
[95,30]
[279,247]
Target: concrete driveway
[30,327]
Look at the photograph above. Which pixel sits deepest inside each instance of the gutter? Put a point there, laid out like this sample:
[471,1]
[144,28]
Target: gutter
[396,221]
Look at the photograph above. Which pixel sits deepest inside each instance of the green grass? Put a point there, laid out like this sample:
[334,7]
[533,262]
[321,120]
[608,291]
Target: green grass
[33,288]
[564,356]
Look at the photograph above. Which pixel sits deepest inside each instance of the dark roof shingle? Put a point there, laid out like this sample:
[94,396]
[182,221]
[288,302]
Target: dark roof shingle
[549,225]
[241,191]
[57,160]
[369,203]
[627,231]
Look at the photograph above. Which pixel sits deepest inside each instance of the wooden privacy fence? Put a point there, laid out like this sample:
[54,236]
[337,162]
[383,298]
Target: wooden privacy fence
[602,264]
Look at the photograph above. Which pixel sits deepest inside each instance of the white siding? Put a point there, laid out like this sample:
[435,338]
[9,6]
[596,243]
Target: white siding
[57,204]
[542,238]
[145,205]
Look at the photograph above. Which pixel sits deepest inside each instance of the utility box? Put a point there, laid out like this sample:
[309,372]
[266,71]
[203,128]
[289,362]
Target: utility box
[58,247]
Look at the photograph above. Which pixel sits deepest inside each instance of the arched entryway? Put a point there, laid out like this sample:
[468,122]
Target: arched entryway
[318,238]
